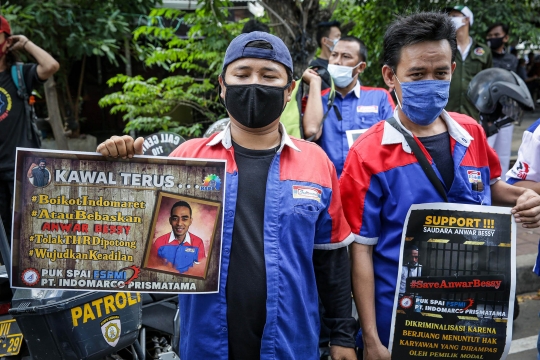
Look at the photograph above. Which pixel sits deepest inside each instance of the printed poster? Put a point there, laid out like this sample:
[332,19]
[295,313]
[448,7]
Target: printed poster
[83,221]
[456,283]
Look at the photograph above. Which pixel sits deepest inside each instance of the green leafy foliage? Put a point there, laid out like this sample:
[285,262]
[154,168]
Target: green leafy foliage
[71,30]
[372,17]
[193,63]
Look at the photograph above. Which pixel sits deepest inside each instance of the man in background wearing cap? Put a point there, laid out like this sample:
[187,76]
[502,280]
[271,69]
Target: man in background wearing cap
[473,57]
[14,127]
[284,234]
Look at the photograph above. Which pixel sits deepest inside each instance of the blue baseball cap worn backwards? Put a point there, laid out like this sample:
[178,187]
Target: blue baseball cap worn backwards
[237,49]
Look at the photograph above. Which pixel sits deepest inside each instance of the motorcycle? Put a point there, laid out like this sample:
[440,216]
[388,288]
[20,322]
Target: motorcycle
[64,324]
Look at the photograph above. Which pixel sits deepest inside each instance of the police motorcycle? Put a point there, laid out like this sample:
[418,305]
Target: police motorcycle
[37,324]
[500,96]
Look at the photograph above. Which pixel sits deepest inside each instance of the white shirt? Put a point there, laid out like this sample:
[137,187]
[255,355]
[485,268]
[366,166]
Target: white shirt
[187,239]
[465,52]
[408,271]
[527,166]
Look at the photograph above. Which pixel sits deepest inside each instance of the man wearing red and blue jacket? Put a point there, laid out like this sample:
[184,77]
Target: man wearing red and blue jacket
[284,233]
[355,106]
[382,177]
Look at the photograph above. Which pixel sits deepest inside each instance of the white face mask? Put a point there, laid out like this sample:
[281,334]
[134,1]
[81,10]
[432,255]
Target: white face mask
[458,22]
[341,74]
[334,42]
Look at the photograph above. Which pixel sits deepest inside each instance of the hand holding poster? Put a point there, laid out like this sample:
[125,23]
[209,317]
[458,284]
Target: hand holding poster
[86,222]
[456,283]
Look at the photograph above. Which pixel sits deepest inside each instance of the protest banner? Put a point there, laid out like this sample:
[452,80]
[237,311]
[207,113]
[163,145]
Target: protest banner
[83,221]
[456,283]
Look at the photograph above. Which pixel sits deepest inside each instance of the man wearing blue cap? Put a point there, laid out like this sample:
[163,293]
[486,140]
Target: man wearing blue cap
[284,234]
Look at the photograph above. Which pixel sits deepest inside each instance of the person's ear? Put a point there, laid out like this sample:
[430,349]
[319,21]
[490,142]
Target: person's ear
[453,67]
[223,90]
[325,40]
[506,38]
[290,90]
[388,76]
[362,67]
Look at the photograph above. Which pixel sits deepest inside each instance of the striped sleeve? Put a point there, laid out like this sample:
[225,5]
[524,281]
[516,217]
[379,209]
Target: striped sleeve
[333,218]
[527,166]
[361,196]
[386,106]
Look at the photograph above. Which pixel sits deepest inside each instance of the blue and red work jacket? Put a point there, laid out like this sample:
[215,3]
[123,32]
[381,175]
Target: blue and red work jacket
[302,212]
[382,179]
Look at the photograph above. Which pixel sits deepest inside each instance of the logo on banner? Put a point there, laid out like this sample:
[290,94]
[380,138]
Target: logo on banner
[405,302]
[367,109]
[306,192]
[474,176]
[30,276]
[211,182]
[111,328]
[461,305]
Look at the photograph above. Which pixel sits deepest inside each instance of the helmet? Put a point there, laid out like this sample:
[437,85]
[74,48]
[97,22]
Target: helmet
[489,85]
[218,126]
[499,95]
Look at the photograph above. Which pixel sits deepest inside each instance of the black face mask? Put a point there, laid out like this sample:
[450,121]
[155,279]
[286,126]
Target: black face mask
[254,105]
[495,43]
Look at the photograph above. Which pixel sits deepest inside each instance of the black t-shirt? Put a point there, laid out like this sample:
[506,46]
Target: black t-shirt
[438,146]
[13,125]
[318,62]
[246,280]
[322,65]
[505,61]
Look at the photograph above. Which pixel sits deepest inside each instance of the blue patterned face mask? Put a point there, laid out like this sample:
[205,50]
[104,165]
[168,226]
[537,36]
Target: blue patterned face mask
[334,42]
[424,100]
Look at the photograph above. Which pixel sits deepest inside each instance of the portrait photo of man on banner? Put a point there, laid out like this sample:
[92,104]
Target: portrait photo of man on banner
[182,233]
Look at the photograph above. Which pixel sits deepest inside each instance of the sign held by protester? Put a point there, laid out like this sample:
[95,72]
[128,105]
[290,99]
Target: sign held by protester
[83,221]
[456,283]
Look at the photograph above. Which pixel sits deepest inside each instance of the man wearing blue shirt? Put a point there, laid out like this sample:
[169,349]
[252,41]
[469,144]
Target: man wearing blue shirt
[382,177]
[284,232]
[355,106]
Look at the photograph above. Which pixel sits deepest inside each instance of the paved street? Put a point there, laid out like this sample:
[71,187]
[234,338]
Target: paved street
[525,330]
